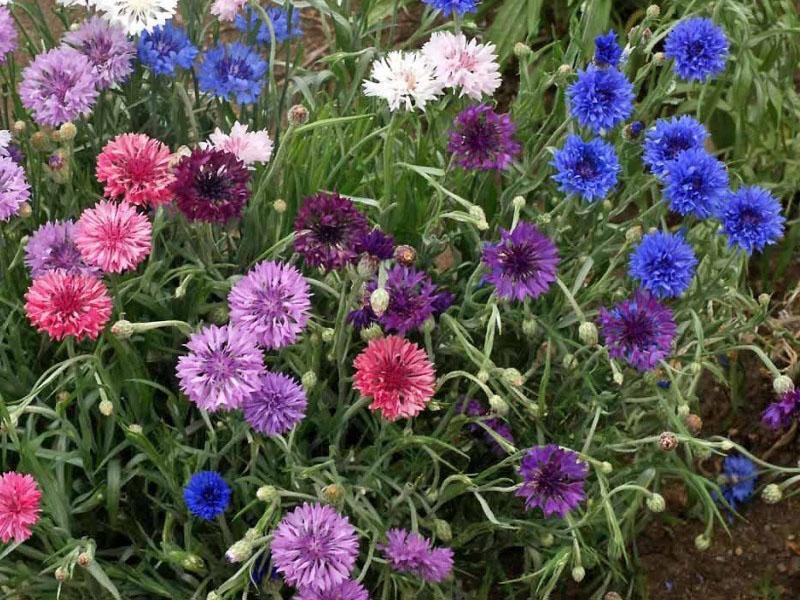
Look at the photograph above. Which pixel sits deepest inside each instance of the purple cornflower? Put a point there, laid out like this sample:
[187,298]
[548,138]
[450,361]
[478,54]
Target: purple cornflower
[553,480]
[328,231]
[522,264]
[600,99]
[271,303]
[586,169]
[751,218]
[781,414]
[14,188]
[278,405]
[51,247]
[408,552]
[473,408]
[607,52]
[668,138]
[347,590]
[482,139]
[8,33]
[107,47]
[639,330]
[314,547]
[224,367]
[60,85]
[211,185]
[695,183]
[376,244]
[699,48]
[664,263]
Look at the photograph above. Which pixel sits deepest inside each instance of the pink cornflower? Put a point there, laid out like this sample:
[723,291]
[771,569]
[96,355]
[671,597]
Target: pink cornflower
[113,237]
[63,304]
[249,146]
[137,168]
[397,375]
[227,10]
[464,64]
[19,506]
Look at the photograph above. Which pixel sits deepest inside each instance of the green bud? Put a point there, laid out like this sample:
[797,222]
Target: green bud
[587,332]
[518,202]
[327,335]
[772,494]
[309,380]
[106,408]
[513,377]
[547,540]
[529,327]
[578,573]
[122,329]
[656,503]
[373,332]
[267,493]
[498,405]
[379,301]
[521,50]
[442,529]
[702,542]
[653,11]
[240,551]
[782,384]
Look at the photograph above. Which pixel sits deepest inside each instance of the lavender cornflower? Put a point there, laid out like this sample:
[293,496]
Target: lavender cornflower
[14,188]
[224,367]
[668,138]
[283,27]
[482,139]
[278,405]
[51,247]
[751,218]
[553,480]
[271,303]
[165,49]
[453,7]
[207,495]
[639,330]
[522,264]
[60,85]
[314,547]
[607,52]
[107,47]
[233,71]
[781,414]
[699,48]
[664,263]
[408,552]
[695,183]
[738,480]
[347,590]
[328,230]
[8,34]
[587,169]
[601,98]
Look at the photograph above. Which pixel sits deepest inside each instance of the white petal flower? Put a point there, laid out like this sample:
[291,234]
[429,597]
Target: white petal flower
[227,10]
[403,79]
[136,16]
[464,64]
[249,146]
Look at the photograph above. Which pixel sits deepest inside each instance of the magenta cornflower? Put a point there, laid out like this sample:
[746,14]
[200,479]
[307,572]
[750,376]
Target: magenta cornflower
[137,169]
[107,47]
[211,185]
[14,188]
[314,547]
[19,506]
[482,139]
[113,237]
[408,552]
[271,303]
[553,480]
[224,368]
[278,404]
[52,247]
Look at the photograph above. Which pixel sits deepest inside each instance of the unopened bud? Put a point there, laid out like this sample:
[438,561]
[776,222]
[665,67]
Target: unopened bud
[618,378]
[693,423]
[587,332]
[633,234]
[122,329]
[569,361]
[84,559]
[529,327]
[667,441]
[67,132]
[220,314]
[327,335]
[61,574]
[653,11]
[19,127]
[25,210]
[267,493]
[518,202]
[702,542]
[772,494]
[476,212]
[279,206]
[513,377]
[521,50]
[782,384]
[612,596]
[428,325]
[213,596]
[548,539]
[443,530]
[659,58]
[379,301]
[135,428]
[40,141]
[405,255]
[309,380]
[656,503]
[578,573]
[62,397]
[298,115]
[606,467]
[726,445]
[483,376]
[333,493]
[106,408]
[763,300]
[498,405]
[240,551]
[565,69]
[684,411]
[373,332]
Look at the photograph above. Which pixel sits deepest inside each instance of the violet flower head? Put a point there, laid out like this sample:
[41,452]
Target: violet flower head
[639,330]
[553,480]
[60,85]
[8,33]
[278,405]
[376,244]
[482,139]
[781,414]
[347,590]
[328,230]
[52,246]
[271,303]
[107,47]
[314,547]
[738,480]
[522,264]
[408,552]
[14,188]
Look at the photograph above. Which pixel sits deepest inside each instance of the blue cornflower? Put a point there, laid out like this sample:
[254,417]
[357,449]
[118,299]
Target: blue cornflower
[699,48]
[207,495]
[695,183]
[233,71]
[586,169]
[283,27]
[165,49]
[664,263]
[751,218]
[668,138]
[607,52]
[601,98]
[738,480]
[453,7]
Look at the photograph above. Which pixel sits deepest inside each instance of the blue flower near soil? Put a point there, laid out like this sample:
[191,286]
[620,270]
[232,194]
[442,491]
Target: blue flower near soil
[207,495]
[664,263]
[166,49]
[738,480]
[699,48]
[600,99]
[233,71]
[695,183]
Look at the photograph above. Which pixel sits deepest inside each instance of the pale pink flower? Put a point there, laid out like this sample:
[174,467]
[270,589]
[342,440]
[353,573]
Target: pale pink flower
[113,237]
[249,146]
[226,10]
[463,64]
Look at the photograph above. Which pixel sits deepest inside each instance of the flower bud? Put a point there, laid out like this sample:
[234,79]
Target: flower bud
[122,329]
[606,467]
[40,141]
[213,596]
[521,50]
[379,301]
[782,384]
[565,69]
[633,234]
[373,332]
[659,58]
[298,115]
[19,127]
[443,530]
[684,410]
[309,380]
[763,300]
[327,335]
[106,408]
[693,423]
[772,494]
[405,255]
[653,11]
[62,397]
[529,327]
[612,596]
[333,493]
[702,542]
[587,332]
[240,551]
[618,378]
[513,377]
[578,573]
[483,376]
[656,503]
[428,325]
[476,212]
[67,132]
[85,559]
[569,361]
[518,202]
[135,428]
[219,314]
[279,206]
[667,441]
[25,210]
[498,405]
[61,574]
[267,493]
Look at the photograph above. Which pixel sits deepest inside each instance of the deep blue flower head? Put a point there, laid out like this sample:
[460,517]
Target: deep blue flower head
[165,49]
[664,263]
[695,183]
[751,218]
[233,71]
[635,128]
[285,29]
[607,52]
[699,48]
[453,7]
[601,98]
[207,495]
[738,480]
[586,169]
[668,138]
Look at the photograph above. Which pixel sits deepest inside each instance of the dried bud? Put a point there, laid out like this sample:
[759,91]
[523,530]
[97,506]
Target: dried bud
[405,255]
[498,405]
[67,132]
[667,441]
[772,494]
[122,329]
[279,206]
[373,332]
[702,542]
[653,11]
[587,332]
[309,380]
[40,141]
[656,503]
[521,50]
[379,301]
[267,493]
[782,384]
[298,115]
[106,408]
[84,559]
[578,573]
[333,493]
[25,210]
[693,423]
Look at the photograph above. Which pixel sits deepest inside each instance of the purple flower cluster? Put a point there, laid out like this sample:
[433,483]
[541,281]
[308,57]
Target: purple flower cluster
[552,479]
[408,552]
[482,139]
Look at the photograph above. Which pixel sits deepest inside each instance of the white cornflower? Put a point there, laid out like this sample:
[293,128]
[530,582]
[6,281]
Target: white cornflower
[249,146]
[464,64]
[404,79]
[136,16]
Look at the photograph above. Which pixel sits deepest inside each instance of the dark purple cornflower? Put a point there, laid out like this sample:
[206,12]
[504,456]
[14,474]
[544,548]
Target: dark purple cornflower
[639,330]
[482,139]
[376,244]
[408,552]
[553,480]
[328,231]
[522,264]
[781,414]
[278,405]
[211,185]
